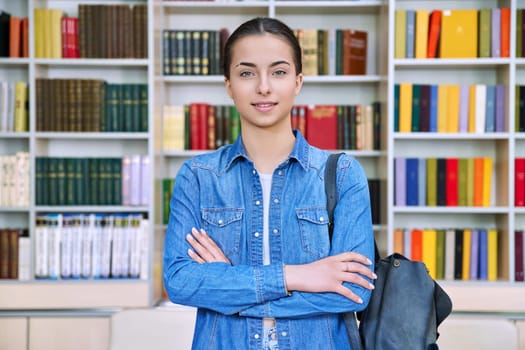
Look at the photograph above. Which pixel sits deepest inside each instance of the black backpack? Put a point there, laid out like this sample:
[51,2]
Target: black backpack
[406,306]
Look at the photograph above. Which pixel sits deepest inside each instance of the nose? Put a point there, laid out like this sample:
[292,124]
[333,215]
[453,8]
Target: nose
[263,87]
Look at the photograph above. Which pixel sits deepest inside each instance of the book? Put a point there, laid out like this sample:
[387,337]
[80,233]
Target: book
[355,43]
[416,246]
[429,251]
[467,252]
[400,33]
[492,261]
[505,31]
[474,254]
[518,256]
[487,182]
[410,33]
[459,34]
[483,255]
[484,35]
[412,178]
[434,32]
[450,251]
[400,172]
[405,107]
[451,182]
[422,25]
[321,121]
[519,182]
[431,182]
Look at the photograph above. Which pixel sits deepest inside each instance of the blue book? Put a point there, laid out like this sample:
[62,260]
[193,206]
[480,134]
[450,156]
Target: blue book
[422,182]
[412,179]
[474,254]
[483,255]
[400,181]
[433,107]
[411,33]
[490,104]
[500,108]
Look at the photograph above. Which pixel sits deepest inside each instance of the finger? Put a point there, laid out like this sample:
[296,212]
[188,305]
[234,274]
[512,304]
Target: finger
[355,278]
[210,244]
[358,268]
[195,256]
[348,294]
[199,249]
[353,256]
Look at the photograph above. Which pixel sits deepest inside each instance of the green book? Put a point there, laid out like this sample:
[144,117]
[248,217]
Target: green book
[431,182]
[71,197]
[135,107]
[338,52]
[462,182]
[186,126]
[93,181]
[60,166]
[167,188]
[143,90]
[235,124]
[484,33]
[111,109]
[116,181]
[470,182]
[416,103]
[396,108]
[82,180]
[440,254]
[39,180]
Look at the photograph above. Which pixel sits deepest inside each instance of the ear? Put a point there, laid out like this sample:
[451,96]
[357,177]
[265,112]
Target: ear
[298,83]
[227,83]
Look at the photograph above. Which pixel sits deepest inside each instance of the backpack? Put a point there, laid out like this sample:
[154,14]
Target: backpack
[406,306]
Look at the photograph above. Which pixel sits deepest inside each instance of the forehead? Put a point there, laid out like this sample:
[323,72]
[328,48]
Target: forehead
[262,47]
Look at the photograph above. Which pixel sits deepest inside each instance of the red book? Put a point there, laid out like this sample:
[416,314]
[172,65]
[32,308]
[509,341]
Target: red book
[65,37]
[519,182]
[15,44]
[73,36]
[518,256]
[301,122]
[434,28]
[194,126]
[416,245]
[322,126]
[452,182]
[294,117]
[505,32]
[25,37]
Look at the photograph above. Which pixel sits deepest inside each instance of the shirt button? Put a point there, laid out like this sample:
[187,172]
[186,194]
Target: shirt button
[254,172]
[284,334]
[276,200]
[321,219]
[280,172]
[220,221]
[256,336]
[257,202]
[276,231]
[256,234]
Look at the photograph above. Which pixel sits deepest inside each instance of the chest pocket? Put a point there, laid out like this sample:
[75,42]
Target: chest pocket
[313,226]
[223,225]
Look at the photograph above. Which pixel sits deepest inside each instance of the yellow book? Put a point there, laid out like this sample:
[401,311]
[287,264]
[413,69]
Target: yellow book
[405,107]
[430,251]
[400,34]
[21,122]
[492,247]
[39,32]
[453,108]
[309,45]
[472,109]
[465,263]
[470,182]
[459,34]
[487,181]
[422,17]
[173,128]
[47,25]
[55,33]
[431,182]
[442,108]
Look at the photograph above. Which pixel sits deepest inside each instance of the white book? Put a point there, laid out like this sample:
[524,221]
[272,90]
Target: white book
[407,243]
[332,54]
[66,246]
[10,107]
[76,245]
[41,248]
[24,258]
[107,238]
[126,180]
[54,232]
[21,179]
[480,115]
[144,249]
[87,244]
[450,243]
[124,250]
[135,247]
[135,182]
[145,178]
[3,105]
[96,222]
[116,247]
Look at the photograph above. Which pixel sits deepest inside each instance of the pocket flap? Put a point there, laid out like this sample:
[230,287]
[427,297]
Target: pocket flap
[221,216]
[314,215]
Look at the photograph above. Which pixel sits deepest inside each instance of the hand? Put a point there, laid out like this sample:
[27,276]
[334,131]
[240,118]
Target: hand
[205,250]
[328,275]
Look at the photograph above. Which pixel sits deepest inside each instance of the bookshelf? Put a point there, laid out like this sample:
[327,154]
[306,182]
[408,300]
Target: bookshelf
[383,72]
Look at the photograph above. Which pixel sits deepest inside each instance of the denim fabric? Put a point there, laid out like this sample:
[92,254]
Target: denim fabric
[221,192]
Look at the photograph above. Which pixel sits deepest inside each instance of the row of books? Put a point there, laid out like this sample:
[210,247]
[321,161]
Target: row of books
[91,246]
[333,51]
[374,186]
[453,253]
[14,106]
[14,253]
[14,180]
[519,182]
[90,105]
[449,108]
[93,181]
[13,35]
[99,31]
[443,181]
[457,33]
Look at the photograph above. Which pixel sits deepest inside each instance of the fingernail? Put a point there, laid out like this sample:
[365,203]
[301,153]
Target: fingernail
[375,276]
[194,230]
[188,236]
[372,286]
[190,251]
[359,301]
[368,261]
[202,231]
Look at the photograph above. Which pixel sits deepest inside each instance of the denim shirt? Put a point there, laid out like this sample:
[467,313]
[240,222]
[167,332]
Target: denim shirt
[221,192]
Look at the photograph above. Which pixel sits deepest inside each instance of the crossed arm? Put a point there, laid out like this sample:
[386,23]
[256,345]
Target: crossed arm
[324,275]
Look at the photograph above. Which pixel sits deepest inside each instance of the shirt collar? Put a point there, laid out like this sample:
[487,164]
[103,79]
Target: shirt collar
[299,152]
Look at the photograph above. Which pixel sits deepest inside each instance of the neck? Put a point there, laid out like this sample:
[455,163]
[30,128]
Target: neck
[268,148]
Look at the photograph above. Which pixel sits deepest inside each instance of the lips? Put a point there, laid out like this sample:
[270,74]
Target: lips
[264,106]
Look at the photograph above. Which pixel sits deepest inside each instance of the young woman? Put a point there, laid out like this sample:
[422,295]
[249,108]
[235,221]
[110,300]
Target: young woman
[247,241]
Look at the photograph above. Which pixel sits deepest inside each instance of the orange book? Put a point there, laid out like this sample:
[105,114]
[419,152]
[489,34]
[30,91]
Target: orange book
[505,31]
[433,33]
[487,181]
[14,37]
[398,241]
[25,37]
[417,245]
[478,181]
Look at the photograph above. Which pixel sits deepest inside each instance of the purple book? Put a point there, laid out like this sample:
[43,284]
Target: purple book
[500,108]
[400,181]
[495,33]
[474,254]
[134,189]
[463,108]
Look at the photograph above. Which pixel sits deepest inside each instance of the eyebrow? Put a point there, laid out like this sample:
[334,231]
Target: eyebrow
[249,64]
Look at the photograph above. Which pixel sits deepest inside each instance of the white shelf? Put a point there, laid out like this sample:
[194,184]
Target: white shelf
[90,209]
[409,63]
[115,62]
[14,135]
[14,209]
[93,135]
[451,136]
[451,210]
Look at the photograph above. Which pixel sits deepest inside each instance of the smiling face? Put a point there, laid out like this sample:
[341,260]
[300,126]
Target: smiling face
[263,82]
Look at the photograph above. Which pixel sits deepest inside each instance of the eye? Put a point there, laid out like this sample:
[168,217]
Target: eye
[280,72]
[245,74]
